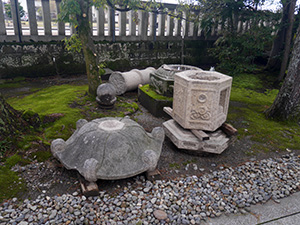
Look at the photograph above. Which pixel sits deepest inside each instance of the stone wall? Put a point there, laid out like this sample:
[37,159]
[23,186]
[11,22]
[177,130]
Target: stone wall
[46,59]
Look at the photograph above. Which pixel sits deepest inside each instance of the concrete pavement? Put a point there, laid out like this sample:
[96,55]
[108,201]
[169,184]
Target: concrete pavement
[286,212]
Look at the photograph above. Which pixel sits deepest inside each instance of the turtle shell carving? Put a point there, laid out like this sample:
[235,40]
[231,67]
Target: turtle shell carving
[109,148]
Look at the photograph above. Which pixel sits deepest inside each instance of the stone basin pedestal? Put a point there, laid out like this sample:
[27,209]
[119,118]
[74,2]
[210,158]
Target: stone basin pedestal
[200,107]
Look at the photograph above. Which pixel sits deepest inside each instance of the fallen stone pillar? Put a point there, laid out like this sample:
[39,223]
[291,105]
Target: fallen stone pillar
[128,81]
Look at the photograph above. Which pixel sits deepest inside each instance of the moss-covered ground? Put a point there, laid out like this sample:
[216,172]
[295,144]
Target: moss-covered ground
[251,95]
[70,101]
[249,99]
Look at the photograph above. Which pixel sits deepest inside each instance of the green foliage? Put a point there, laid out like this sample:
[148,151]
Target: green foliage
[73,43]
[237,52]
[7,8]
[69,10]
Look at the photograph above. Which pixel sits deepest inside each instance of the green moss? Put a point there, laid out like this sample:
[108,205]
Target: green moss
[248,81]
[189,162]
[15,159]
[248,115]
[25,142]
[253,97]
[174,165]
[10,183]
[146,89]
[56,99]
[14,83]
[41,156]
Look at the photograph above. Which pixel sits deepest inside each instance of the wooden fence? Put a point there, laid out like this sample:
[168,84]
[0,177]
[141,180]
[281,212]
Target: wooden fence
[40,24]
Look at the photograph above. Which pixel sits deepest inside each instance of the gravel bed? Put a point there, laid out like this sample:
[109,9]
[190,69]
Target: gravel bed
[183,201]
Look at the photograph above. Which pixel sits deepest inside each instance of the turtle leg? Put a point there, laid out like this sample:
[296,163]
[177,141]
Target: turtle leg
[80,123]
[90,168]
[150,158]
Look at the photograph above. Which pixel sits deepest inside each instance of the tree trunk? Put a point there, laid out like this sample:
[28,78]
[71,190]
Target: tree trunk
[88,47]
[287,103]
[279,41]
[288,39]
[11,121]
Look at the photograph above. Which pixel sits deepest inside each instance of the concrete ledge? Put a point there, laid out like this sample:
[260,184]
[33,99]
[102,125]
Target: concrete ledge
[154,102]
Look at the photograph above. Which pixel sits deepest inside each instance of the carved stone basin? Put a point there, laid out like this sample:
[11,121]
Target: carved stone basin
[201,99]
[109,148]
[162,80]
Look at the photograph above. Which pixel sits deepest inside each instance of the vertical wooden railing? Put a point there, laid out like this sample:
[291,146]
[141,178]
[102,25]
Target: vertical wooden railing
[110,25]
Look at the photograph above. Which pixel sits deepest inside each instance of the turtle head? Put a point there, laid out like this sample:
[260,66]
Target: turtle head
[57,146]
[158,134]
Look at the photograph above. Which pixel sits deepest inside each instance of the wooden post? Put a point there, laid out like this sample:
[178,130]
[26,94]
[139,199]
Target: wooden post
[60,25]
[91,20]
[111,23]
[185,26]
[100,22]
[16,19]
[161,25]
[143,24]
[177,31]
[46,17]
[122,23]
[2,21]
[132,23]
[170,26]
[153,19]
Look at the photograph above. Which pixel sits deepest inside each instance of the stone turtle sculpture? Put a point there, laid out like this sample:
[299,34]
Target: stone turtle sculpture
[109,149]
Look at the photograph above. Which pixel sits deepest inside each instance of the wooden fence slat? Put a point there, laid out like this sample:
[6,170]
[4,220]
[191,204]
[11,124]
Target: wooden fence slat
[32,17]
[152,25]
[100,22]
[61,25]
[161,24]
[132,23]
[16,18]
[111,22]
[2,22]
[46,17]
[122,23]
[143,24]
[170,26]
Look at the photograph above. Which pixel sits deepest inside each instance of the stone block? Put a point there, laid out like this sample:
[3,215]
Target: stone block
[201,99]
[154,105]
[185,139]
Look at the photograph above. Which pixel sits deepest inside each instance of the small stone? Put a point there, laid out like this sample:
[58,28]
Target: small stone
[159,214]
[75,193]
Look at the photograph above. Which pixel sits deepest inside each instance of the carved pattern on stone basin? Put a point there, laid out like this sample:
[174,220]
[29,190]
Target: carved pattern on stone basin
[203,114]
